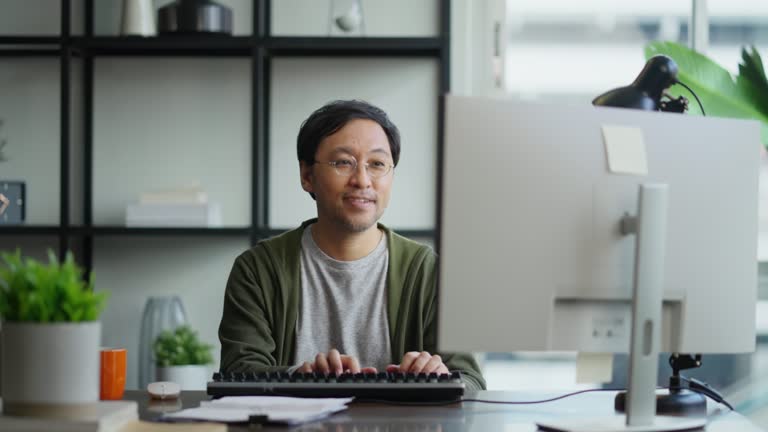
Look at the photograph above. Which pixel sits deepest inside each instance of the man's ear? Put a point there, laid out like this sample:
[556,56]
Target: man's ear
[306,176]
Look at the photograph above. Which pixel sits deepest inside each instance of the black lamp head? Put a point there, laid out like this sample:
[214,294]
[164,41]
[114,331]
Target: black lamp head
[659,73]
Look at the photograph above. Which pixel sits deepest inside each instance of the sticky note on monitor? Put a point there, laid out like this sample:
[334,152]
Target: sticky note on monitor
[625,150]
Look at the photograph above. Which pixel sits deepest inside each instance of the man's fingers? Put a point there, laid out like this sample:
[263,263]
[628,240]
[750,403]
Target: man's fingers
[350,364]
[368,370]
[408,359]
[393,368]
[433,365]
[321,364]
[334,362]
[418,365]
[306,367]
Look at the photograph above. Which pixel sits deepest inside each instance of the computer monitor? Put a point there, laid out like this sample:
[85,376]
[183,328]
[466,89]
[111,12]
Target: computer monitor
[532,256]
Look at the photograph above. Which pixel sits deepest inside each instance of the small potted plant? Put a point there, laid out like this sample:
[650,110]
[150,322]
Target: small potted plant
[50,334]
[181,357]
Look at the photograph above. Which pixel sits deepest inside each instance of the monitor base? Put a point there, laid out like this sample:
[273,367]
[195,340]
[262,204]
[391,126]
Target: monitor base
[677,402]
[618,424]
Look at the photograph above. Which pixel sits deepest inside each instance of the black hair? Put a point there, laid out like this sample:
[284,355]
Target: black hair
[333,116]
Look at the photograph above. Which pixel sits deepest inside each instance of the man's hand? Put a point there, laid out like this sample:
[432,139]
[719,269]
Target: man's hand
[334,362]
[419,362]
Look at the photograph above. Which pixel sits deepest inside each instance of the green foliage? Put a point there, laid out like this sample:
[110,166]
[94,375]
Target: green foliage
[744,96]
[31,291]
[181,347]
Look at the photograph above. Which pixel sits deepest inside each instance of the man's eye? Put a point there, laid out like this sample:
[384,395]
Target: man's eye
[344,163]
[378,164]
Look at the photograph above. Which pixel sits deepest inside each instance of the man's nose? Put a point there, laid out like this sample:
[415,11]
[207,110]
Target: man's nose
[361,177]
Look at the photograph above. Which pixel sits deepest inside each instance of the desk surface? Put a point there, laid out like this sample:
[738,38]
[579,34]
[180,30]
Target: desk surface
[467,416]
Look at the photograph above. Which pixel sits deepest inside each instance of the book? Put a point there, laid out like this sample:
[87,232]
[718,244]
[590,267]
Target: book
[106,416]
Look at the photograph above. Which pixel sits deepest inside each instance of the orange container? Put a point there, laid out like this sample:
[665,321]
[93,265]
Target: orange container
[113,370]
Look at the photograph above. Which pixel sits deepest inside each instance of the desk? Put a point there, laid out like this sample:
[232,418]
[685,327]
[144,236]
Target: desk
[469,416]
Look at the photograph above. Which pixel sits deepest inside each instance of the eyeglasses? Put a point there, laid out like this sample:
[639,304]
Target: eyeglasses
[348,166]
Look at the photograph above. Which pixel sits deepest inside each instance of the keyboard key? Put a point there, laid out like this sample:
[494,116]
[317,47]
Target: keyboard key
[217,376]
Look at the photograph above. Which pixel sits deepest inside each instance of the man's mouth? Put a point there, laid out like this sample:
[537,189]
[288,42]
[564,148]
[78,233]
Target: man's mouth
[359,200]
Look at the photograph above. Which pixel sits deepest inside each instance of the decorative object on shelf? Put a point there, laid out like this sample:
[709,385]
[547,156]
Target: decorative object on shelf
[194,16]
[50,336]
[160,314]
[180,207]
[3,142]
[182,358]
[138,18]
[346,16]
[12,199]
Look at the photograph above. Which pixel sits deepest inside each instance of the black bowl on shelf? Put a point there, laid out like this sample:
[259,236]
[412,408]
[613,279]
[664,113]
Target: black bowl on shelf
[194,17]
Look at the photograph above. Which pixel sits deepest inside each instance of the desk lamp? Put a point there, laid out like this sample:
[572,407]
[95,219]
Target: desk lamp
[648,92]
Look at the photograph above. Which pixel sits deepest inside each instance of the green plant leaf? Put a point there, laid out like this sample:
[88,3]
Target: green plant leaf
[719,92]
[181,347]
[52,292]
[752,78]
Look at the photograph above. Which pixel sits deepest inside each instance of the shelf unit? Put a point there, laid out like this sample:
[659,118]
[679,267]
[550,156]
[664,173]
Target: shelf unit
[260,47]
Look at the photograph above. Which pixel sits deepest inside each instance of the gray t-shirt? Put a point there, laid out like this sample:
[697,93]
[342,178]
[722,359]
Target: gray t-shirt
[343,305]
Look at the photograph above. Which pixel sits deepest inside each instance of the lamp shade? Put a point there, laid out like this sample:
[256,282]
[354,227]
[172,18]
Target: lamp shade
[645,92]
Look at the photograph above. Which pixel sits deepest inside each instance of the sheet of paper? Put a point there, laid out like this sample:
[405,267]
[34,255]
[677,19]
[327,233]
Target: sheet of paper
[238,409]
[625,150]
[594,367]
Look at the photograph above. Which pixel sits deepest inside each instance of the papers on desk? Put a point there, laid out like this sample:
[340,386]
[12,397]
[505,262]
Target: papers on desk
[274,409]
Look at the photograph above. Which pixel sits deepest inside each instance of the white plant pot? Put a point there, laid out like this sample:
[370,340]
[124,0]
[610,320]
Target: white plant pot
[55,364]
[191,377]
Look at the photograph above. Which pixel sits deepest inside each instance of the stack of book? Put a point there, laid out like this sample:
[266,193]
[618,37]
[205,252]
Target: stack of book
[188,207]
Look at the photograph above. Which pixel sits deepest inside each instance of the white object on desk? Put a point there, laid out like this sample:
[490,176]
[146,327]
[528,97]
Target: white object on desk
[164,390]
[103,416]
[278,409]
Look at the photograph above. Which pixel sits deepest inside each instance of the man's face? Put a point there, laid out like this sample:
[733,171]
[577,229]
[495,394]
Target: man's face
[354,202]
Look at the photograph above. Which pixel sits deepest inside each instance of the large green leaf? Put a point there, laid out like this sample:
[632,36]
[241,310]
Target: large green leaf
[752,78]
[719,92]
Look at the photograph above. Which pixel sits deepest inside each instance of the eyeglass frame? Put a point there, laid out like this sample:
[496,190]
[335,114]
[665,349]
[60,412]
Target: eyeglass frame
[334,165]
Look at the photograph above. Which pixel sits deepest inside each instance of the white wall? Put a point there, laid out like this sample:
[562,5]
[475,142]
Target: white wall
[169,122]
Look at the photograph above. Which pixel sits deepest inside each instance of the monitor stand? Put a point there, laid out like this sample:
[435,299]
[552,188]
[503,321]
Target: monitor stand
[647,292]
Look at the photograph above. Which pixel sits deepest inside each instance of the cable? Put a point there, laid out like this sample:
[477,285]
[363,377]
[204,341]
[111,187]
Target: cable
[442,403]
[705,389]
[698,387]
[694,95]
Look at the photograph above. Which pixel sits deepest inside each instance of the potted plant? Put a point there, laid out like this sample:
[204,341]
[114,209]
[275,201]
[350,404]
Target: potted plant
[182,358]
[50,334]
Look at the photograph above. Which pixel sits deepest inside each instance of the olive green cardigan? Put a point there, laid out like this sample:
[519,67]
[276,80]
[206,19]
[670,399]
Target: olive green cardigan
[262,298]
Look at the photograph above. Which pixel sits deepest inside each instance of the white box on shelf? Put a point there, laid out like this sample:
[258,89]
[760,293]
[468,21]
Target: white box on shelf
[175,196]
[173,215]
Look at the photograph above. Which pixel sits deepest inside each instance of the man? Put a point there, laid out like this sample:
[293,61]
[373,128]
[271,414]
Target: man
[341,293]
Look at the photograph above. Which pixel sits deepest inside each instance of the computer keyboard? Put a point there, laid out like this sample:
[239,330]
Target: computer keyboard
[381,386]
